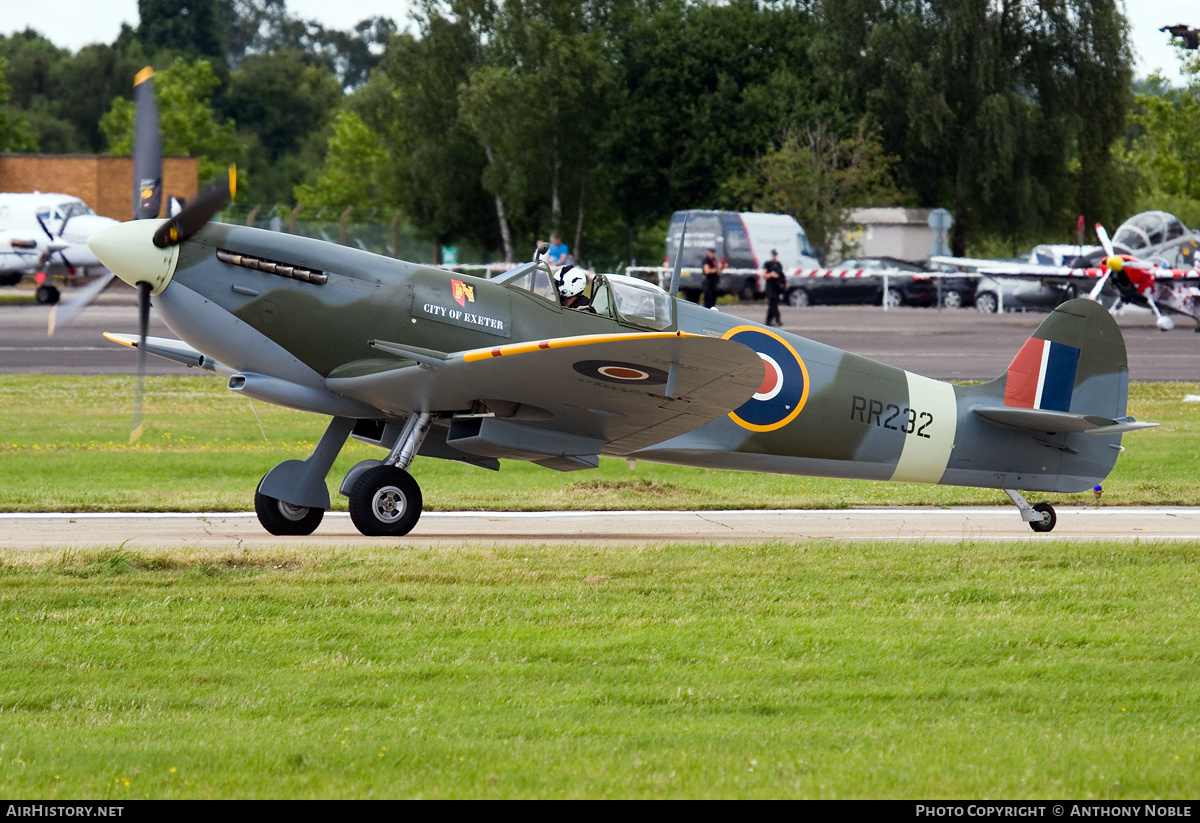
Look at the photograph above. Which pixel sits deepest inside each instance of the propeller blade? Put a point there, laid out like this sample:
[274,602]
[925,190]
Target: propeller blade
[196,213]
[62,313]
[675,274]
[143,330]
[1104,241]
[1095,292]
[1112,263]
[147,149]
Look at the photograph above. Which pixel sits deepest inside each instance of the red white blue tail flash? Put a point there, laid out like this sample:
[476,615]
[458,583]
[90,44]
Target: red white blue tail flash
[1042,376]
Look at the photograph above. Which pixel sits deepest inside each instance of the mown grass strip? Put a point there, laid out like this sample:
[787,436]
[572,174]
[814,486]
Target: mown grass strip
[818,669]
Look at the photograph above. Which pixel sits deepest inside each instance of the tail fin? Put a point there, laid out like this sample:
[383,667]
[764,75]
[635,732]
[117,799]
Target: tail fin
[1074,364]
[1067,384]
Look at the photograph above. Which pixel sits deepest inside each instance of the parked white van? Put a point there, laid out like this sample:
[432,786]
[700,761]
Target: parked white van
[744,241]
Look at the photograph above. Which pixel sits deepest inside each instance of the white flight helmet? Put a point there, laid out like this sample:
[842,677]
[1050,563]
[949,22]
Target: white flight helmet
[570,281]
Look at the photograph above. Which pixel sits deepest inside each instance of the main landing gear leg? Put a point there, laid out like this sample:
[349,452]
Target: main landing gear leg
[292,498]
[1040,517]
[384,499]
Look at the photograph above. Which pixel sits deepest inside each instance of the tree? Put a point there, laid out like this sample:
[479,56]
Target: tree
[33,62]
[1166,154]
[704,88]
[187,28]
[356,161]
[1005,111]
[85,85]
[411,102]
[818,177]
[536,105]
[189,126]
[15,132]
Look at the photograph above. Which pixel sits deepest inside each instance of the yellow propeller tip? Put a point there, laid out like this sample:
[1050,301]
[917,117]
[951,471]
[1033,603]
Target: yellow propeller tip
[143,75]
[136,434]
[232,180]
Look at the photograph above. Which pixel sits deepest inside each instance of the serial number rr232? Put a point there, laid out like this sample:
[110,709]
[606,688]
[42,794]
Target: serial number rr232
[890,416]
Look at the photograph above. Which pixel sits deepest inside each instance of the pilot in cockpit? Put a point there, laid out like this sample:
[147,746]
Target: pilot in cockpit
[571,282]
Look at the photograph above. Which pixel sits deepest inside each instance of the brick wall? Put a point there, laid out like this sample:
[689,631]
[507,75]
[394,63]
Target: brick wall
[103,182]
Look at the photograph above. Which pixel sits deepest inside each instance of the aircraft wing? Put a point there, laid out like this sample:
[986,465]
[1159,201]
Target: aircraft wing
[20,252]
[620,392]
[1181,276]
[1034,271]
[1000,268]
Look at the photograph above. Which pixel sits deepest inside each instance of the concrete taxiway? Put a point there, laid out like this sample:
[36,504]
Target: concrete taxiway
[237,530]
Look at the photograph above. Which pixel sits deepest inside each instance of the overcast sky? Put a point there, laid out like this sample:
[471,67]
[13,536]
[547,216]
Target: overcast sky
[73,24]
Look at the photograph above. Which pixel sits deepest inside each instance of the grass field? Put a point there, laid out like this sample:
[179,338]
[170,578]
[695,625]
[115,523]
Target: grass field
[64,447]
[809,669]
[779,670]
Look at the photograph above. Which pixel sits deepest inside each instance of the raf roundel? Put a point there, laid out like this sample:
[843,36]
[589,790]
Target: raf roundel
[611,371]
[784,388]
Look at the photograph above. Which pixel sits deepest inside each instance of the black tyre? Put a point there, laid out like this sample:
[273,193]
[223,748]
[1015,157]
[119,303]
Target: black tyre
[47,295]
[952,300]
[749,291]
[385,502]
[987,302]
[797,298]
[1049,518]
[281,518]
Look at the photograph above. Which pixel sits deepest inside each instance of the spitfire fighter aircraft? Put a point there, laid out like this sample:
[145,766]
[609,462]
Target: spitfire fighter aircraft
[419,360]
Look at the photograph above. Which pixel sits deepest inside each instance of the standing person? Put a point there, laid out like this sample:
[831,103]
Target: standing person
[776,283]
[556,255]
[712,277]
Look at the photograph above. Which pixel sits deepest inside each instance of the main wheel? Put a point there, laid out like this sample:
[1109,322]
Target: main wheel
[986,302]
[385,502]
[281,518]
[47,295]
[1049,518]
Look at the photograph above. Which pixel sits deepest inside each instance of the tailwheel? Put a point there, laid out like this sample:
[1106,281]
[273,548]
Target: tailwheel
[1048,518]
[385,502]
[281,518]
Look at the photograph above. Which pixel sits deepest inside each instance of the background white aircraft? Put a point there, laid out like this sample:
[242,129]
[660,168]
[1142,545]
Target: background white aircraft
[47,232]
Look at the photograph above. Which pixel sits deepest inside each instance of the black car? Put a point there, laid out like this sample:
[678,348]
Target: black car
[908,284]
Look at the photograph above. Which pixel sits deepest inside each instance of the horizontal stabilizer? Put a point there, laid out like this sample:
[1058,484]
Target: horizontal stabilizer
[1044,420]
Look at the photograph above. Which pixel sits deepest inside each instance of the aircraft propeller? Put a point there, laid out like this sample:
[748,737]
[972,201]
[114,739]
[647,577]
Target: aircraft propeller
[1115,263]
